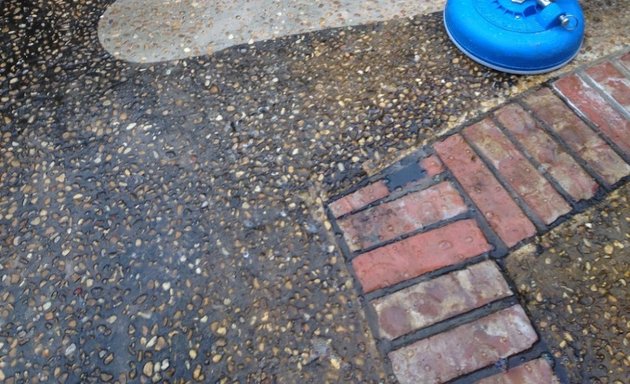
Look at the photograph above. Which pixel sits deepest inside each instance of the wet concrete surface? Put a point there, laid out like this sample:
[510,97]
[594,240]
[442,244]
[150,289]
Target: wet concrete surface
[575,284]
[165,221]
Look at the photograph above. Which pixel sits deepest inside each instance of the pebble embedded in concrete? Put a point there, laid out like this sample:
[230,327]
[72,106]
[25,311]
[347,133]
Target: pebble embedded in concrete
[136,198]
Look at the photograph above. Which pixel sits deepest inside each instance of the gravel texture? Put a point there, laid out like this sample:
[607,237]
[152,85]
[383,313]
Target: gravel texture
[151,30]
[164,221]
[575,284]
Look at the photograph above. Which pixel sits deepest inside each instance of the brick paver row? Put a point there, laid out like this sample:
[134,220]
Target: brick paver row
[607,76]
[500,180]
[505,217]
[578,136]
[516,171]
[407,214]
[438,299]
[547,152]
[419,254]
[533,372]
[593,105]
[464,349]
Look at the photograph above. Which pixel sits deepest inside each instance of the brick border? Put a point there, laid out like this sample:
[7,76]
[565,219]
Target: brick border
[520,169]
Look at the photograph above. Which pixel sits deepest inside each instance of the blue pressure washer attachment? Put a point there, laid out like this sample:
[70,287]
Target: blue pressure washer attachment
[516,36]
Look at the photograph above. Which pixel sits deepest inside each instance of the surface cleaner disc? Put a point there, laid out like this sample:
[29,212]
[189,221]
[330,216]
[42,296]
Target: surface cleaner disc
[516,36]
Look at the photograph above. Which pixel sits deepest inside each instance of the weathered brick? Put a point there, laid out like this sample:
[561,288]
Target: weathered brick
[593,105]
[464,349]
[578,136]
[625,60]
[359,198]
[411,212]
[533,372]
[438,299]
[517,171]
[612,81]
[544,149]
[432,165]
[419,254]
[504,216]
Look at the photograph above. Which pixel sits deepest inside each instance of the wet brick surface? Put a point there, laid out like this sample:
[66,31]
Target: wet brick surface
[419,254]
[435,300]
[504,216]
[593,105]
[578,136]
[547,152]
[517,171]
[411,212]
[464,349]
[164,221]
[613,81]
[360,198]
[438,312]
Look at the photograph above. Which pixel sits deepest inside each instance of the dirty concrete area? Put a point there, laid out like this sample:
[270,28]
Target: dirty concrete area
[574,281]
[165,221]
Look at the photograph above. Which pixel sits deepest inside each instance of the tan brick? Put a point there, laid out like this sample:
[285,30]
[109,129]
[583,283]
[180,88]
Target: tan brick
[578,136]
[588,100]
[533,372]
[438,299]
[560,165]
[359,198]
[411,212]
[464,349]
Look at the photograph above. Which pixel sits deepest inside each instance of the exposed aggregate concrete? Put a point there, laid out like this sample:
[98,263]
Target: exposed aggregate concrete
[164,221]
[576,287]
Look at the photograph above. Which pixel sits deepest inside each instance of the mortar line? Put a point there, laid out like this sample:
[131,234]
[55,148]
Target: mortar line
[500,248]
[536,164]
[537,221]
[620,67]
[393,196]
[566,147]
[591,125]
[603,93]
[427,228]
[453,322]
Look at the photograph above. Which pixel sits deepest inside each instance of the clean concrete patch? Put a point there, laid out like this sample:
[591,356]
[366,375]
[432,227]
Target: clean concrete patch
[160,30]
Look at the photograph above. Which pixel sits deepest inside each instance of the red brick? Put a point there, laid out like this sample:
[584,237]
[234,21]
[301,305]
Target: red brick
[359,199]
[432,165]
[504,216]
[596,109]
[411,212]
[419,254]
[578,136]
[464,349]
[517,171]
[435,300]
[612,81]
[625,60]
[560,165]
[533,372]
